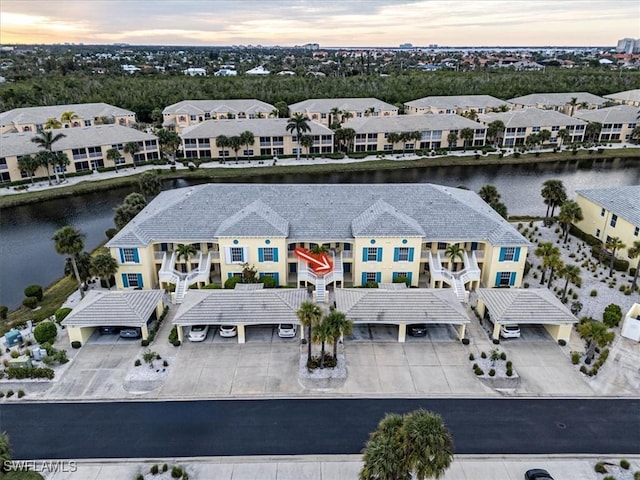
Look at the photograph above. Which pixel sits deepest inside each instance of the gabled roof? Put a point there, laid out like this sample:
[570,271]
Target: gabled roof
[266,127]
[615,114]
[383,220]
[40,115]
[557,99]
[626,96]
[325,105]
[622,201]
[256,219]
[420,305]
[530,117]
[410,123]
[130,308]
[234,106]
[241,306]
[457,101]
[525,306]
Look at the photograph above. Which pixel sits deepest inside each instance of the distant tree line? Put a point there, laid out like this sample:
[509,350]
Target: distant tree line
[144,94]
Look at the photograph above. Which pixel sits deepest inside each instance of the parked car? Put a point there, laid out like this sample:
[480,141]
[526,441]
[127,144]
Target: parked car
[198,333]
[109,330]
[537,474]
[287,330]
[510,331]
[130,332]
[417,330]
[228,331]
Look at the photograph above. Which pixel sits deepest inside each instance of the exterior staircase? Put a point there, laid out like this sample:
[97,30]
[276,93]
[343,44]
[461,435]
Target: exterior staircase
[168,274]
[457,280]
[305,274]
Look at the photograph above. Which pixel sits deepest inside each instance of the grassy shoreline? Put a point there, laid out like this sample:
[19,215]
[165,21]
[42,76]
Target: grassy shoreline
[311,168]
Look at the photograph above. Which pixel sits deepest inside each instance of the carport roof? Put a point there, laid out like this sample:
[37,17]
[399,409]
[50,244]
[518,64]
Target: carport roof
[240,307]
[525,306]
[131,308]
[423,305]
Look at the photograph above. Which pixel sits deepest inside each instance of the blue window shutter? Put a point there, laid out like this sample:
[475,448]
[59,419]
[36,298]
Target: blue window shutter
[394,275]
[125,279]
[396,254]
[275,255]
[276,277]
[501,255]
[364,254]
[379,259]
[409,276]
[121,255]
[261,254]
[512,280]
[378,277]
[136,258]
[411,254]
[364,278]
[140,282]
[229,275]
[516,254]
[497,279]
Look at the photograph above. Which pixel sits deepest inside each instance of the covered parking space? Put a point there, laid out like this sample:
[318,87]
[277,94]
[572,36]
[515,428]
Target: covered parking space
[104,308]
[240,307]
[402,307]
[525,306]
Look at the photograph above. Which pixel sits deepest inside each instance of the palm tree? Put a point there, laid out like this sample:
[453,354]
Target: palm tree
[554,195]
[564,135]
[309,315]
[321,334]
[68,117]
[571,273]
[404,138]
[5,451]
[495,130]
[68,241]
[132,148]
[235,143]
[247,138]
[416,136]
[45,140]
[307,142]
[596,334]
[592,132]
[52,124]
[28,165]
[532,140]
[150,184]
[132,204]
[383,454]
[369,111]
[185,250]
[113,155]
[544,251]
[333,117]
[573,104]
[300,124]
[346,116]
[614,244]
[466,135]
[337,326]
[635,134]
[634,252]
[44,159]
[104,266]
[570,212]
[222,142]
[554,263]
[454,251]
[393,138]
[169,141]
[489,193]
[544,136]
[452,140]
[60,159]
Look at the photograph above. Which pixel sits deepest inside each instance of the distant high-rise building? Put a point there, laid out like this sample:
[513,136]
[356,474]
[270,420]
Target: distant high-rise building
[406,45]
[628,45]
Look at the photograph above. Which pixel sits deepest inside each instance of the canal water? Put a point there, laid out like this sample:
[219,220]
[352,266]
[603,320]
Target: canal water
[27,254]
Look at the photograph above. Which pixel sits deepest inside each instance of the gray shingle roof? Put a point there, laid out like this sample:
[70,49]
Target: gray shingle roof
[114,308]
[40,115]
[318,212]
[626,96]
[267,127]
[409,123]
[424,305]
[531,117]
[383,220]
[623,201]
[325,105]
[457,101]
[241,307]
[616,114]
[195,107]
[525,306]
[557,99]
[21,144]
[255,217]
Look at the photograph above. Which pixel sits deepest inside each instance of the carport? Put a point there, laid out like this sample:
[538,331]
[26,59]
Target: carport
[240,307]
[526,306]
[402,307]
[104,308]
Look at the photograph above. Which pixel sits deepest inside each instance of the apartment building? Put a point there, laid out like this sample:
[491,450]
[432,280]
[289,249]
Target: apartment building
[34,119]
[617,122]
[457,104]
[628,97]
[328,111]
[567,103]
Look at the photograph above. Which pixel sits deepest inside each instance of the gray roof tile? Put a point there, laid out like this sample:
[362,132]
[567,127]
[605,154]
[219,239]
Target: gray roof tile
[615,114]
[623,201]
[40,115]
[194,107]
[457,101]
[557,99]
[114,308]
[325,105]
[525,306]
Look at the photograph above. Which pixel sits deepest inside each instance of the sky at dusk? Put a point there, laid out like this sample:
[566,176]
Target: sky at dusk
[327,22]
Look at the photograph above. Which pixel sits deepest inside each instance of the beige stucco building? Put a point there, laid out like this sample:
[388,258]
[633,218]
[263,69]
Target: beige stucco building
[320,109]
[617,122]
[628,97]
[560,102]
[458,104]
[85,147]
[612,212]
[33,119]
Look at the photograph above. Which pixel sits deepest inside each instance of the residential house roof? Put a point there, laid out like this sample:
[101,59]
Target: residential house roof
[530,117]
[409,123]
[40,115]
[557,99]
[626,96]
[622,201]
[317,212]
[453,102]
[195,107]
[615,114]
[325,105]
[267,127]
[525,306]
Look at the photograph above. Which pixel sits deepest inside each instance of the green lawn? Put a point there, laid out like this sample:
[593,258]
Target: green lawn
[21,476]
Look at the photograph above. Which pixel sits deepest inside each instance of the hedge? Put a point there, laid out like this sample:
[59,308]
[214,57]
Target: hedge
[33,372]
[62,313]
[619,265]
[33,291]
[589,239]
[30,302]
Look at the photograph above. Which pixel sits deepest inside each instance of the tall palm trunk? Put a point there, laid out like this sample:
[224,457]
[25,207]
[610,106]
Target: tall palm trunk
[566,286]
[322,354]
[635,277]
[77,274]
[309,343]
[335,348]
[613,260]
[550,278]
[544,272]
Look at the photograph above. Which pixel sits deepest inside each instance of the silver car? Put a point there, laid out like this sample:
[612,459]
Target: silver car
[287,330]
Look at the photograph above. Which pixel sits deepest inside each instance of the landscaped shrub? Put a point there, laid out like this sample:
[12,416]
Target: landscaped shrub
[212,286]
[230,283]
[3,312]
[165,467]
[137,363]
[21,393]
[593,293]
[471,357]
[509,364]
[76,344]
[465,341]
[625,464]
[30,302]
[176,472]
[478,371]
[503,356]
[9,393]
[45,332]
[562,342]
[600,468]
[371,285]
[154,469]
[33,291]
[612,315]
[14,354]
[575,357]
[492,372]
[483,355]
[33,372]
[509,372]
[144,342]
[62,313]
[636,476]
[496,341]
[173,335]
[176,343]
[268,282]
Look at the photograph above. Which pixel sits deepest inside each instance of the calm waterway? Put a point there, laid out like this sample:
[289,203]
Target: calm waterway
[27,254]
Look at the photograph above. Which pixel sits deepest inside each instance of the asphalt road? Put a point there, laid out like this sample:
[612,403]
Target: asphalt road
[312,426]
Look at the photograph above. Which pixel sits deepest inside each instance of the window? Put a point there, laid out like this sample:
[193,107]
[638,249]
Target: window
[129,255]
[372,276]
[608,240]
[132,280]
[442,246]
[636,231]
[403,254]
[614,220]
[598,232]
[372,254]
[247,153]
[87,123]
[237,255]
[602,212]
[505,279]
[267,254]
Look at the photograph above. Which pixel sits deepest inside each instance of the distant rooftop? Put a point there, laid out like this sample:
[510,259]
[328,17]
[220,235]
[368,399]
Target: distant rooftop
[40,115]
[623,201]
[409,123]
[615,114]
[260,127]
[325,105]
[626,96]
[557,99]
[528,117]
[457,101]
[195,107]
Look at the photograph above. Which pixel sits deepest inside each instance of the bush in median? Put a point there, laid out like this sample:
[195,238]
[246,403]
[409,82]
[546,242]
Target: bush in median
[33,372]
[45,332]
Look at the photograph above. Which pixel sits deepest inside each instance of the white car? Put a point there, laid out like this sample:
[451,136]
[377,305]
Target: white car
[287,330]
[198,333]
[510,331]
[228,331]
